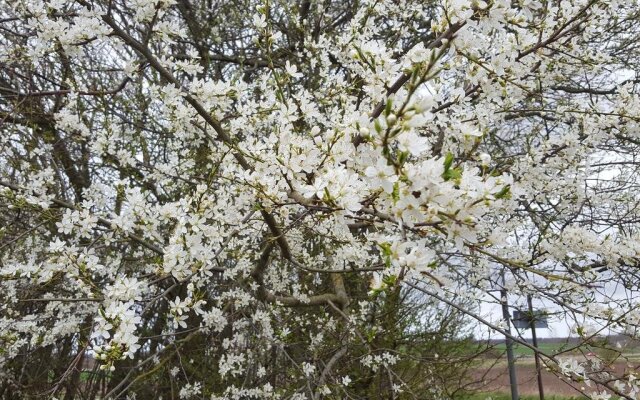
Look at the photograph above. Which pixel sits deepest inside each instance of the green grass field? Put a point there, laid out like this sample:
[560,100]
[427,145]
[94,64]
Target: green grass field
[548,348]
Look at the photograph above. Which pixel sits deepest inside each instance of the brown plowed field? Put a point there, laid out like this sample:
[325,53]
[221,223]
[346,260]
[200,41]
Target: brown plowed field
[496,379]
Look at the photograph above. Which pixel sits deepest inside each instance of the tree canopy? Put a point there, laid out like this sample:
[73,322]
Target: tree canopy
[308,199]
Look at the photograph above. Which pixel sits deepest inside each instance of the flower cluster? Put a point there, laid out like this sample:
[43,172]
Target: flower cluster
[227,193]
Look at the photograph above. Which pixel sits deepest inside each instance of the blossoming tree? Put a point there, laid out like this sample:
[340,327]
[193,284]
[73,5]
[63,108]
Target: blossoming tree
[228,175]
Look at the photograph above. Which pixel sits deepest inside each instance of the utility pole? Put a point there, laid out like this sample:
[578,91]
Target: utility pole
[510,360]
[532,324]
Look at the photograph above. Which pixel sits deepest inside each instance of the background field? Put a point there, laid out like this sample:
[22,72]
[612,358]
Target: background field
[492,377]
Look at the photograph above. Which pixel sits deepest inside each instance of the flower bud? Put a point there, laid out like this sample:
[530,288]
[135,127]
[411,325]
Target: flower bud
[485,159]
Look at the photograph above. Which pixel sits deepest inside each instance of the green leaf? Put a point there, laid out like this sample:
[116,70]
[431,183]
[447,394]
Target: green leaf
[390,280]
[387,108]
[396,192]
[378,126]
[402,157]
[452,174]
[386,253]
[448,162]
[505,193]
[327,196]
